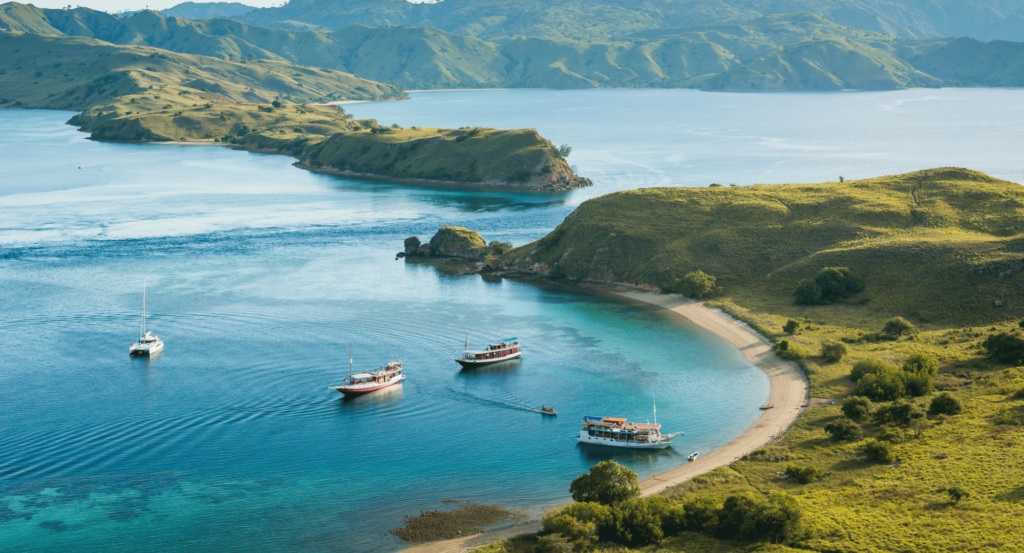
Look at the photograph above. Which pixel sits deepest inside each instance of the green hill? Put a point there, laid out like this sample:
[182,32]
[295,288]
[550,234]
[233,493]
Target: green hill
[937,246]
[589,19]
[207,10]
[830,63]
[969,62]
[75,73]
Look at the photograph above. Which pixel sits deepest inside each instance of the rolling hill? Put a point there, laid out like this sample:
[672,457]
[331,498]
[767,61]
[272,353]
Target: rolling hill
[940,245]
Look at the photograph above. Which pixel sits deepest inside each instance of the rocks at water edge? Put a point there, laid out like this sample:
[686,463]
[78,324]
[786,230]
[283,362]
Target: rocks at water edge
[412,244]
[449,241]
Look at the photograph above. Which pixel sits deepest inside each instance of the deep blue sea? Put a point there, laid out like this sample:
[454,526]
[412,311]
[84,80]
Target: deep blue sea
[261,275]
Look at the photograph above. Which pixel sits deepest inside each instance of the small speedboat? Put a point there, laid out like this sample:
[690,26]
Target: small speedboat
[765,406]
[693,456]
[548,411]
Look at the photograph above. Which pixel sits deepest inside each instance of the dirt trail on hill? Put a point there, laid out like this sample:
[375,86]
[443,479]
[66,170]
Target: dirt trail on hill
[789,395]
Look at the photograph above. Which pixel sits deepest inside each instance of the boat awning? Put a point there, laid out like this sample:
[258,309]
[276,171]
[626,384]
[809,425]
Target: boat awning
[363,375]
[593,418]
[647,426]
[611,419]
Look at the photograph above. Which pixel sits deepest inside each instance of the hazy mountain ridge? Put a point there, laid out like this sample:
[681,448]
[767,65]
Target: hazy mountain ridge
[588,19]
[779,52]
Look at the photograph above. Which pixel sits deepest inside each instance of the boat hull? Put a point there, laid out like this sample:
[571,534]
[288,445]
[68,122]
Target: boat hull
[473,363]
[354,391]
[146,351]
[585,438]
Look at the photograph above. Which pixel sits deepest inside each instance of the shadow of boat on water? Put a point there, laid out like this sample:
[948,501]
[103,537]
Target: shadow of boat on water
[594,453]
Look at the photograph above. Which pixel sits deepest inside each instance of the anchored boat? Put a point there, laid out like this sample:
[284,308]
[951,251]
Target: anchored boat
[364,383]
[148,344]
[503,350]
[617,432]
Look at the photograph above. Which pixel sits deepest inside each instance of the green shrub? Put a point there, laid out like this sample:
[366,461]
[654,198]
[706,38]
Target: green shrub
[918,384]
[803,475]
[957,493]
[834,351]
[554,543]
[790,351]
[599,515]
[582,535]
[673,517]
[697,284]
[499,248]
[898,412]
[868,366]
[608,483]
[701,514]
[884,385]
[830,285]
[897,326]
[920,363]
[791,327]
[842,430]
[879,451]
[636,525]
[748,517]
[1005,347]
[889,434]
[856,408]
[1019,394]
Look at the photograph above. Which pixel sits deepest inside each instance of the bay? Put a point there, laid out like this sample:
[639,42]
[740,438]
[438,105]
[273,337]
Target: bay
[260,275]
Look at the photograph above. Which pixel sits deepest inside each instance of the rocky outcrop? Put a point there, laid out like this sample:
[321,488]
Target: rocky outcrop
[412,244]
[449,241]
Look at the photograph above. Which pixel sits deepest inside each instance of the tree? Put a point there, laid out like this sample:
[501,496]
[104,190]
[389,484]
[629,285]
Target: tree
[791,327]
[920,363]
[599,515]
[945,404]
[919,426]
[697,284]
[956,494]
[789,350]
[747,517]
[563,151]
[803,475]
[673,517]
[897,326]
[885,385]
[842,430]
[879,451]
[499,248]
[554,543]
[582,535]
[868,366]
[636,525]
[918,384]
[701,514]
[841,179]
[856,408]
[276,103]
[608,483]
[899,412]
[1005,347]
[834,351]
[830,285]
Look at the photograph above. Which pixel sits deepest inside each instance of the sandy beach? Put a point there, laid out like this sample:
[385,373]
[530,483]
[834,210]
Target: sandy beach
[789,395]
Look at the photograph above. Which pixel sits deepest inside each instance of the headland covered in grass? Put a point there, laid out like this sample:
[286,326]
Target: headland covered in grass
[143,94]
[914,445]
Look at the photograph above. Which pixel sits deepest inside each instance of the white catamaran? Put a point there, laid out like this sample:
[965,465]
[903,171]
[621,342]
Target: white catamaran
[148,344]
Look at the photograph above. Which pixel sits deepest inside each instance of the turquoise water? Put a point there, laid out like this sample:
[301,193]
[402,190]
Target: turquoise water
[260,275]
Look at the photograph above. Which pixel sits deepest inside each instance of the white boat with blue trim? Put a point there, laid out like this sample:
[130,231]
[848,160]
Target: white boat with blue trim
[502,350]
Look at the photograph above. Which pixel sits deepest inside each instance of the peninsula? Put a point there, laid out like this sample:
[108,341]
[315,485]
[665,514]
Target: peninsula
[144,94]
[895,296]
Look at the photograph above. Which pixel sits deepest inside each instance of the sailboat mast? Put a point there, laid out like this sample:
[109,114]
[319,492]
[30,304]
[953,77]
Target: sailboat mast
[143,307]
[350,362]
[655,410]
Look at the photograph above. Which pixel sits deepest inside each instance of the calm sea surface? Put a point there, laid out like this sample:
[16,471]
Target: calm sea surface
[260,275]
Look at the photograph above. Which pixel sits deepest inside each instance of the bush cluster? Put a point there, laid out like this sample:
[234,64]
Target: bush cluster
[830,285]
[789,350]
[834,352]
[1005,346]
[803,475]
[640,522]
[842,430]
[880,451]
[882,382]
[697,284]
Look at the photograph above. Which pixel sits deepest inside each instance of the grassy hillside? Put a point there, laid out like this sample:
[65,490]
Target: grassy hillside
[589,19]
[56,72]
[937,246]
[799,51]
[969,62]
[831,63]
[206,10]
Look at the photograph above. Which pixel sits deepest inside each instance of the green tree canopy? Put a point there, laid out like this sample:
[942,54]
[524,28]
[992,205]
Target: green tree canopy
[842,430]
[697,284]
[898,326]
[1004,346]
[830,285]
[884,385]
[921,363]
[608,483]
[636,524]
[879,451]
[945,404]
[856,408]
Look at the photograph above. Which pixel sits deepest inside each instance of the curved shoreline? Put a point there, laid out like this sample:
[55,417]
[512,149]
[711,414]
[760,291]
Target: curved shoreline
[789,394]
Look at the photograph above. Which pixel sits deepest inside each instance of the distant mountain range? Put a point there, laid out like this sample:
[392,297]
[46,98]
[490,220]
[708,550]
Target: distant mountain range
[591,19]
[194,10]
[778,52]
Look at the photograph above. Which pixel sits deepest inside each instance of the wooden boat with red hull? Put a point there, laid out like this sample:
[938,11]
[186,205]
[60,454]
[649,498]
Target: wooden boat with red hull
[364,383]
[504,350]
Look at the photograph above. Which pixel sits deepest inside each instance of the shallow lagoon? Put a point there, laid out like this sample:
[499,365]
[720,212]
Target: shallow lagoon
[261,274]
